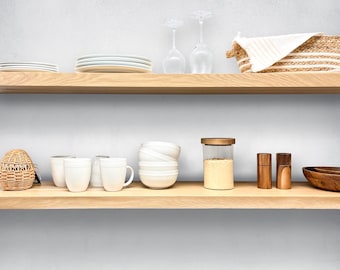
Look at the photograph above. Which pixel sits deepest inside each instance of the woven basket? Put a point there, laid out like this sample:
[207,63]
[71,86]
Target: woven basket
[16,171]
[319,53]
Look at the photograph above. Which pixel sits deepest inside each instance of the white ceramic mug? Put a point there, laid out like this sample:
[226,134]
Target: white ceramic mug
[96,180]
[77,173]
[113,173]
[57,170]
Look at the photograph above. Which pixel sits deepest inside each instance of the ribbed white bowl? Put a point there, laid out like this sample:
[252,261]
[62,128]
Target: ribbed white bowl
[158,165]
[166,148]
[146,154]
[157,181]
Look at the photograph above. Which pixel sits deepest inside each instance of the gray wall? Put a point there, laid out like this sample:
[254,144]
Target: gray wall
[86,125]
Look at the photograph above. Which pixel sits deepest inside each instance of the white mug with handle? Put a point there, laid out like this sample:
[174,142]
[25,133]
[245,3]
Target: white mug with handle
[113,173]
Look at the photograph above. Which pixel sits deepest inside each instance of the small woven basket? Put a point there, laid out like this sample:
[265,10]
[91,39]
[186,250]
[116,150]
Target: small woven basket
[16,171]
[319,53]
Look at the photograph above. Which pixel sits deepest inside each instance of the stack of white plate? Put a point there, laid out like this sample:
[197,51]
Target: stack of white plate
[113,64]
[28,67]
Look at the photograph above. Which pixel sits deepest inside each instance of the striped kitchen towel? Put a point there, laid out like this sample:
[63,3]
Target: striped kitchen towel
[263,52]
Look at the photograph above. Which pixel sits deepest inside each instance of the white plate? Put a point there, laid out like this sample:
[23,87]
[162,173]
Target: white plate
[113,63]
[27,64]
[28,67]
[110,56]
[25,69]
[112,69]
[114,59]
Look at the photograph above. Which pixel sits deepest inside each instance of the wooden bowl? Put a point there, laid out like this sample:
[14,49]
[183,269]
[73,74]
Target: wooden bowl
[333,170]
[327,178]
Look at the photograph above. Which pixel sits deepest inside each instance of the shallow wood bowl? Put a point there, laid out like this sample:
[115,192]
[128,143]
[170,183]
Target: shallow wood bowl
[333,170]
[327,178]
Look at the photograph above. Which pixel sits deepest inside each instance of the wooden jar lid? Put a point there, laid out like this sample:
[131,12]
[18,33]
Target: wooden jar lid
[218,141]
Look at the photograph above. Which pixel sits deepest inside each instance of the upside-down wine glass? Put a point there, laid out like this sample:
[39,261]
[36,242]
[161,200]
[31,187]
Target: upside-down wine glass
[174,62]
[201,58]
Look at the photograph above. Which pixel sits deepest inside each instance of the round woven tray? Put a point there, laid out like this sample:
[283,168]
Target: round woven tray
[319,53]
[16,170]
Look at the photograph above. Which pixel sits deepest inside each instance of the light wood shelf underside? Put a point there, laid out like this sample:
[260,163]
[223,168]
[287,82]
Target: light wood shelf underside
[113,83]
[183,195]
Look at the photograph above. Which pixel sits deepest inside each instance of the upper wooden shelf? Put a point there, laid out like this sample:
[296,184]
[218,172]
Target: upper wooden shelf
[183,195]
[113,83]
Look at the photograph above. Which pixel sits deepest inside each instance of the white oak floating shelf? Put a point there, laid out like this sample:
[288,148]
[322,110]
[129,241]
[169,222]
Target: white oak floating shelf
[183,195]
[132,83]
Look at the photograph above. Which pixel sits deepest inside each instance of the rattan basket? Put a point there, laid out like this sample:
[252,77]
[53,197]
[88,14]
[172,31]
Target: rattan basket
[16,170]
[319,53]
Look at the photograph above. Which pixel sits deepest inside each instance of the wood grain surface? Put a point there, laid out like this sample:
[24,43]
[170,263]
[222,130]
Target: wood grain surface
[127,83]
[183,195]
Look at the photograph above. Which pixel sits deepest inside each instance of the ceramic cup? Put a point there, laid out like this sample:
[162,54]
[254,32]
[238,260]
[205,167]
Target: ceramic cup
[113,173]
[77,173]
[57,170]
[96,180]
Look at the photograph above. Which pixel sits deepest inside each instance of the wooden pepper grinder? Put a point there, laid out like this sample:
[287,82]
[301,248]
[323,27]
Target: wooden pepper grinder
[264,170]
[283,170]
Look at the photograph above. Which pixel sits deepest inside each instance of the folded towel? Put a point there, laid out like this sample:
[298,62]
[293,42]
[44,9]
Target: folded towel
[263,52]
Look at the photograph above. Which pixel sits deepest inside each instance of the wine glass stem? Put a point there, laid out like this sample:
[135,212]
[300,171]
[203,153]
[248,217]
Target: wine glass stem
[201,31]
[174,38]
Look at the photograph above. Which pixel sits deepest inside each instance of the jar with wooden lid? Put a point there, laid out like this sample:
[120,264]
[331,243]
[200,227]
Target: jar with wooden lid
[218,164]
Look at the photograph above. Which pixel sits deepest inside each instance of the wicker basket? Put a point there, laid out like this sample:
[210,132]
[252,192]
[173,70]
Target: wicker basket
[319,53]
[16,171]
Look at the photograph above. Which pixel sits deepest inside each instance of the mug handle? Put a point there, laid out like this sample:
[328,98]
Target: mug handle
[128,182]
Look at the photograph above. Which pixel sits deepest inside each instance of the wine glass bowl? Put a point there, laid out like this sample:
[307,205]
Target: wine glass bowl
[174,62]
[201,58]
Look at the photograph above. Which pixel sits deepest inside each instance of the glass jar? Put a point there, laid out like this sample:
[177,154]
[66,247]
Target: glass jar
[218,164]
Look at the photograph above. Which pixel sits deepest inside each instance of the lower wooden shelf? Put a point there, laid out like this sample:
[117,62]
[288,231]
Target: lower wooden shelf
[183,195]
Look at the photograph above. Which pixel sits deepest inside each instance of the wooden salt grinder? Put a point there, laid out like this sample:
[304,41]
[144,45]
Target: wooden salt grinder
[264,170]
[283,170]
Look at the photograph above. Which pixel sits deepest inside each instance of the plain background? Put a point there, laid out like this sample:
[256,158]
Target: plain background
[59,31]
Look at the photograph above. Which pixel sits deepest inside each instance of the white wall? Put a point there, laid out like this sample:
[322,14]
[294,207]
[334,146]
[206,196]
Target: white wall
[85,125]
